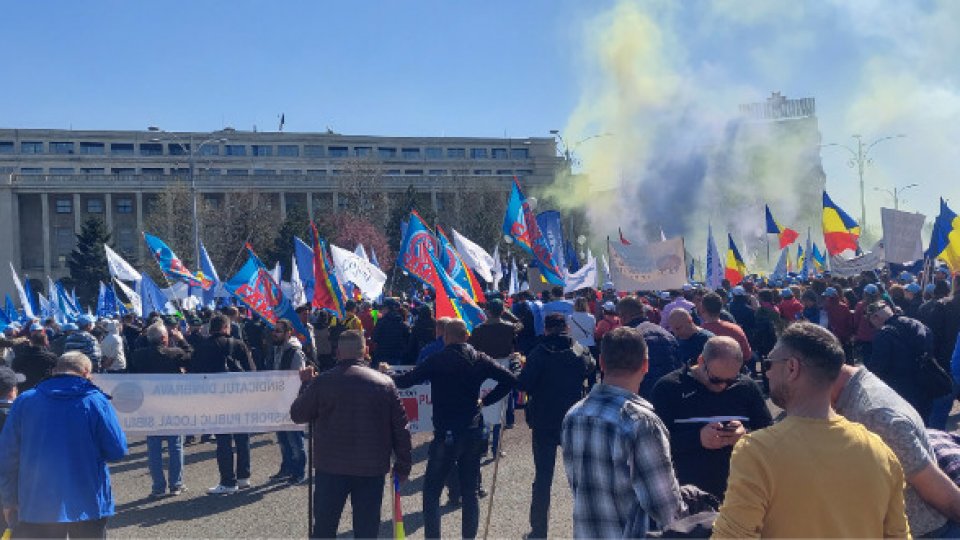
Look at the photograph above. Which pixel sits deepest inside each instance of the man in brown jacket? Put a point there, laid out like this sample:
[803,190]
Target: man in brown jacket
[350,405]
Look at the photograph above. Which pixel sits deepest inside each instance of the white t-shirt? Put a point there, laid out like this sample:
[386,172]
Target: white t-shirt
[581,326]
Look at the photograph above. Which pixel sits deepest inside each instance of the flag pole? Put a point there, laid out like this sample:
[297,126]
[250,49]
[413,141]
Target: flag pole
[310,495]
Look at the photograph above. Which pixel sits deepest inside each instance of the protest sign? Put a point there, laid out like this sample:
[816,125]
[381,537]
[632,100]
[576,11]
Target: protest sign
[656,266]
[901,235]
[418,404]
[197,403]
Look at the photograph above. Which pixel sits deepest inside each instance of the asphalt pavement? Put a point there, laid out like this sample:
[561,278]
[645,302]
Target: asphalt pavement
[277,510]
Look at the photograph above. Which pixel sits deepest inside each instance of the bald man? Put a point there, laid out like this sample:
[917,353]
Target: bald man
[690,337]
[714,387]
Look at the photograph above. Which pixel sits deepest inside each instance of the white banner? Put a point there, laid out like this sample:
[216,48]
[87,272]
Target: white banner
[901,235]
[197,403]
[582,278]
[358,270]
[657,266]
[419,406]
[870,260]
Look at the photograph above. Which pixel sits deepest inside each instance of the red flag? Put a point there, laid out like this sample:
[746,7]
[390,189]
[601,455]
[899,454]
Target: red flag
[623,240]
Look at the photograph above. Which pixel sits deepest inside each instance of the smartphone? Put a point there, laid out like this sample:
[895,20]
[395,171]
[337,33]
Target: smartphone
[729,427]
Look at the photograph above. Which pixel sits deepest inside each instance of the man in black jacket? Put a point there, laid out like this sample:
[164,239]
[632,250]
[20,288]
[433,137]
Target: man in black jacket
[34,359]
[455,374]
[157,357]
[714,387]
[553,377]
[221,353]
[390,336]
[661,345]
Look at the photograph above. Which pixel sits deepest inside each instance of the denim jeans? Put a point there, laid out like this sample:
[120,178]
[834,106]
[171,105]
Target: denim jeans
[155,461]
[448,447]
[293,457]
[225,457]
[366,497]
[545,443]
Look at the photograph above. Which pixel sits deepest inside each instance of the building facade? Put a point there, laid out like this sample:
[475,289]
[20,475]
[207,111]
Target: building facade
[51,181]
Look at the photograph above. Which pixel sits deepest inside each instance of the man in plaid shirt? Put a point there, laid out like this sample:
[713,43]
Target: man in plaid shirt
[616,451]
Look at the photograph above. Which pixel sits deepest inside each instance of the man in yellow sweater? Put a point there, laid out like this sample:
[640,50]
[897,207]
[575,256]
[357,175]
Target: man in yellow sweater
[815,474]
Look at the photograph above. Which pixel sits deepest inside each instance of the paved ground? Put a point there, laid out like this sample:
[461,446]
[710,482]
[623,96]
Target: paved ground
[278,510]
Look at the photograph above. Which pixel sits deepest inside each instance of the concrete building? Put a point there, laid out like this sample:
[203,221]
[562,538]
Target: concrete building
[52,180]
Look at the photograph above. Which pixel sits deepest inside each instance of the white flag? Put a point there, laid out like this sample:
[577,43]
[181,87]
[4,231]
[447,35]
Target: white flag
[360,252]
[132,297]
[586,276]
[276,273]
[120,268]
[361,272]
[474,256]
[514,281]
[663,237]
[497,270]
[24,300]
[298,296]
[714,272]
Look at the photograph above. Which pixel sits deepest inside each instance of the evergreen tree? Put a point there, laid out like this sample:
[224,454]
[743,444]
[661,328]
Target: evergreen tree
[88,261]
[296,224]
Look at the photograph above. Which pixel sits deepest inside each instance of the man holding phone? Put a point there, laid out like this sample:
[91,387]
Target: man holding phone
[699,405]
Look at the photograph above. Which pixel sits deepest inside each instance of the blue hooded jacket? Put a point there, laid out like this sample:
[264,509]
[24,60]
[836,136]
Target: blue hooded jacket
[54,450]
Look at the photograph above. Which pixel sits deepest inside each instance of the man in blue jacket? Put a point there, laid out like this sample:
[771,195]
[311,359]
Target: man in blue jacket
[54,450]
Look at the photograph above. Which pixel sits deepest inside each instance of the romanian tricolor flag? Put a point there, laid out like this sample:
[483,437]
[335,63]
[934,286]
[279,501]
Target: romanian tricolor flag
[786,235]
[735,269]
[327,292]
[945,241]
[840,231]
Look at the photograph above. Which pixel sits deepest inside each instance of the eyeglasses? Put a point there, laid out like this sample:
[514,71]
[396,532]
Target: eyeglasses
[717,380]
[767,364]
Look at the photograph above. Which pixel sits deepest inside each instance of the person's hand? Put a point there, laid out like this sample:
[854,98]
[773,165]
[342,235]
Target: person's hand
[10,515]
[400,477]
[307,373]
[731,436]
[384,367]
[712,436]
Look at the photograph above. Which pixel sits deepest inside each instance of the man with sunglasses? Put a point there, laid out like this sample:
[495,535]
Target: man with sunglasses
[814,474]
[714,387]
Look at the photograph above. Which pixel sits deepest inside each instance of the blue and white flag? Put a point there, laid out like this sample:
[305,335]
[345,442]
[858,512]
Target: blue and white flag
[24,297]
[303,254]
[107,302]
[152,298]
[208,277]
[552,230]
[780,271]
[715,267]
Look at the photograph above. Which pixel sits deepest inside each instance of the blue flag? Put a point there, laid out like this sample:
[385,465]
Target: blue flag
[570,254]
[152,298]
[521,225]
[552,230]
[208,277]
[11,310]
[255,288]
[65,304]
[303,253]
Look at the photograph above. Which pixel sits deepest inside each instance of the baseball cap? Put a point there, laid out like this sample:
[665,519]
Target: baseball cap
[608,286]
[786,293]
[871,289]
[929,288]
[85,320]
[9,379]
[687,287]
[913,288]
[69,327]
[609,306]
[739,291]
[830,291]
[36,327]
[906,276]
[665,295]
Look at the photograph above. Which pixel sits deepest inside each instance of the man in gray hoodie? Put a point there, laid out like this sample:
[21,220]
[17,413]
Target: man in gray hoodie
[286,354]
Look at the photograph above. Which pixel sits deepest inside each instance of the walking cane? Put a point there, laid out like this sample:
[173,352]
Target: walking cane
[496,466]
[310,480]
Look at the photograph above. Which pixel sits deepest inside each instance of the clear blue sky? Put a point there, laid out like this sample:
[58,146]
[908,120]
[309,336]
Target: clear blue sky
[485,68]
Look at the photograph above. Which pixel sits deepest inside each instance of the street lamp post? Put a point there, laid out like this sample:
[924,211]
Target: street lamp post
[861,158]
[569,149]
[192,153]
[895,193]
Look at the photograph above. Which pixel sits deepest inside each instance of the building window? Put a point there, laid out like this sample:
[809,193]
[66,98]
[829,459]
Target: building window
[336,172]
[318,172]
[178,149]
[235,150]
[481,171]
[262,150]
[362,151]
[499,153]
[288,150]
[438,172]
[91,170]
[210,172]
[386,152]
[313,150]
[290,171]
[151,149]
[237,172]
[94,206]
[342,203]
[392,172]
[410,153]
[92,148]
[524,172]
[61,170]
[181,171]
[124,205]
[61,148]
[31,147]
[519,153]
[505,171]
[121,149]
[65,241]
[478,153]
[456,153]
[152,170]
[210,150]
[434,152]
[64,206]
[6,147]
[31,170]
[338,151]
[126,240]
[413,171]
[461,171]
[264,171]
[123,170]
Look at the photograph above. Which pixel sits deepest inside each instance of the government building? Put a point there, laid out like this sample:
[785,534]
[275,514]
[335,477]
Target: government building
[52,180]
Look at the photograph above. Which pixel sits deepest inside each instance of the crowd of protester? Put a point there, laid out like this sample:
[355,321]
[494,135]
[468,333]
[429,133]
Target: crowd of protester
[657,400]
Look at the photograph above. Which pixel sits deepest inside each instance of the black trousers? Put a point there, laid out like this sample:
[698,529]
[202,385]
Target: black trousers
[545,443]
[76,529]
[330,496]
[463,448]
